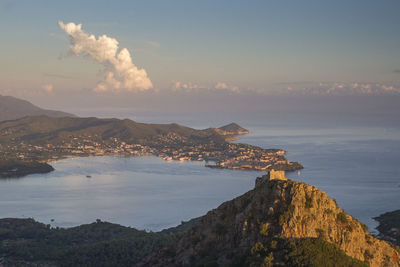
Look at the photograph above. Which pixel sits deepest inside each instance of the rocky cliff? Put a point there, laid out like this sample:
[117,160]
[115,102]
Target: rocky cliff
[312,214]
[278,223]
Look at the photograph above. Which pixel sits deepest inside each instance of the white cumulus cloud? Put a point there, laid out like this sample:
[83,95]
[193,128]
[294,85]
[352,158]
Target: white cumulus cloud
[120,72]
[194,87]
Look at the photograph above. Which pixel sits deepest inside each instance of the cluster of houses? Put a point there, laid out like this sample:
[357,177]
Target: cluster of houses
[220,155]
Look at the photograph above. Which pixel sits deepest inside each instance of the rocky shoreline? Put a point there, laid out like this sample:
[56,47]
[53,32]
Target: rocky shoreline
[389,226]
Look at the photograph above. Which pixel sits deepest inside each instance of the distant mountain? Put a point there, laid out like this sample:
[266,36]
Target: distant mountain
[12,108]
[278,223]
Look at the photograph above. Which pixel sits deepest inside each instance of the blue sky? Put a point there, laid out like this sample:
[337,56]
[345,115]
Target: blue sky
[246,45]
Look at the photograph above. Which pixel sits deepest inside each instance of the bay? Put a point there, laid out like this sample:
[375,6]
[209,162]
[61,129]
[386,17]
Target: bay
[145,192]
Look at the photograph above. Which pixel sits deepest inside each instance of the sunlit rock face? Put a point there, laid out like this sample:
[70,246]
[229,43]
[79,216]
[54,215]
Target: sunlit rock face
[275,211]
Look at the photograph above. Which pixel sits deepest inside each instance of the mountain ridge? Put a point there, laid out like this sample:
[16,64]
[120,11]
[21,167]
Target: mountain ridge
[47,128]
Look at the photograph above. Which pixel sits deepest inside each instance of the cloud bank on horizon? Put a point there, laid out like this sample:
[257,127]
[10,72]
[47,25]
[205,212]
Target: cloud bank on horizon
[339,88]
[188,87]
[294,88]
[120,72]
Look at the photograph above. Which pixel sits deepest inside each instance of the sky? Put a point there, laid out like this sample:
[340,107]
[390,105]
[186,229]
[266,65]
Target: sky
[157,54]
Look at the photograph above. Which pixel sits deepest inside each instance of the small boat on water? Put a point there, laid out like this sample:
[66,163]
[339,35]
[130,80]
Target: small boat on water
[88,176]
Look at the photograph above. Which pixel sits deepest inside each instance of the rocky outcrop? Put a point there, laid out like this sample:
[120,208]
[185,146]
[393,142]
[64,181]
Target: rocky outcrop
[265,219]
[312,214]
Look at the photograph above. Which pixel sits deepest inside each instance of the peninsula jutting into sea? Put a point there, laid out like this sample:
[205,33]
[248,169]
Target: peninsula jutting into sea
[29,143]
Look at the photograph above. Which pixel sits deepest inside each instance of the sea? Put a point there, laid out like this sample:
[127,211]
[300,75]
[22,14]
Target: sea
[354,159]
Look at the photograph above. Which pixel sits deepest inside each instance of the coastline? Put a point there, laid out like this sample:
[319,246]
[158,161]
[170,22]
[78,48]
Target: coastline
[234,156]
[186,185]
[17,169]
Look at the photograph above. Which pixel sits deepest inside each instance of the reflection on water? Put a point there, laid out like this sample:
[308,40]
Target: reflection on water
[146,193]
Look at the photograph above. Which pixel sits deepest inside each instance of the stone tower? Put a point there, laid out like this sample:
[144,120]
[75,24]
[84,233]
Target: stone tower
[276,175]
[271,175]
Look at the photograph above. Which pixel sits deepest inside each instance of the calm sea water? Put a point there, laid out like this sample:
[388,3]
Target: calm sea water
[354,159]
[146,193]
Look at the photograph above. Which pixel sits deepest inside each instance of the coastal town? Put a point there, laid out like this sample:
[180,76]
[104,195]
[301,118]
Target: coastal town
[168,147]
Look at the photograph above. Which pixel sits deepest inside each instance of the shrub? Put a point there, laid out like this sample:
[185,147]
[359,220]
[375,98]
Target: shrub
[268,260]
[284,217]
[250,216]
[264,229]
[245,203]
[328,211]
[220,229]
[320,232]
[309,202]
[341,217]
[316,252]
[364,227]
[274,243]
[258,249]
[367,255]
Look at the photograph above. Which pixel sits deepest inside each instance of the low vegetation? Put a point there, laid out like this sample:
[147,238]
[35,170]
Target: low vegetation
[25,241]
